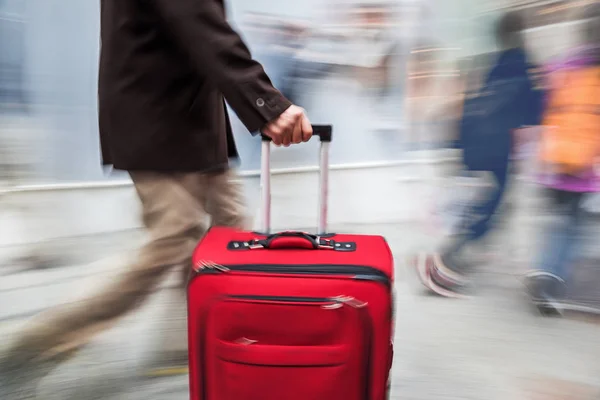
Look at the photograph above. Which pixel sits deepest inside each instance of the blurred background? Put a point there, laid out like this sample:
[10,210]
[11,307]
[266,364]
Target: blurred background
[387,75]
[328,55]
[336,58]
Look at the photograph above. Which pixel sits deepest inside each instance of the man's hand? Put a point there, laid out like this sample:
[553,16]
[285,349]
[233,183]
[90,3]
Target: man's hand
[292,126]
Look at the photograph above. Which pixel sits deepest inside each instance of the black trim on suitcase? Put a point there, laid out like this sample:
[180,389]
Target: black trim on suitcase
[285,299]
[323,244]
[358,272]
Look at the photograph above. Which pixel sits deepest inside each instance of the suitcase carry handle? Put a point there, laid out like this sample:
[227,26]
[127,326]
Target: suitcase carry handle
[286,240]
[292,240]
[324,132]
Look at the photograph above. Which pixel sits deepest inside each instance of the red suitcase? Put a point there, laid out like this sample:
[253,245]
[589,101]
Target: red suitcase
[290,316]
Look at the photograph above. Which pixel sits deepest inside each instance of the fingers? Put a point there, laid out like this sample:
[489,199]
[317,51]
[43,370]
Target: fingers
[275,139]
[286,122]
[273,131]
[286,138]
[297,132]
[292,126]
[307,130]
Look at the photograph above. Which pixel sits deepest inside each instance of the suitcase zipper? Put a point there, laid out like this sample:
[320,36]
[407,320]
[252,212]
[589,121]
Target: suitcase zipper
[357,271]
[335,302]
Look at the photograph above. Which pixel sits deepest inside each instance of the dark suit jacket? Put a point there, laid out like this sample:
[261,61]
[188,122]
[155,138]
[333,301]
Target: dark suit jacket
[166,67]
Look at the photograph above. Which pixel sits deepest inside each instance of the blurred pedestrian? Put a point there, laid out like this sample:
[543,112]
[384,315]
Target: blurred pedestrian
[166,69]
[277,52]
[12,48]
[505,102]
[374,57]
[14,137]
[422,99]
[569,157]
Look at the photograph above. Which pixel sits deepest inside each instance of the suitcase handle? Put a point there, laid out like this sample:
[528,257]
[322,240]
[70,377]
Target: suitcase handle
[324,132]
[291,240]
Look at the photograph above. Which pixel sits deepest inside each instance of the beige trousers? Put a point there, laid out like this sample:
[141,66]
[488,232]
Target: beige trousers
[175,209]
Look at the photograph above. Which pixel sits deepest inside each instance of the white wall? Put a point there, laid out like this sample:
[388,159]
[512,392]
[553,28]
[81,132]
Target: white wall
[357,196]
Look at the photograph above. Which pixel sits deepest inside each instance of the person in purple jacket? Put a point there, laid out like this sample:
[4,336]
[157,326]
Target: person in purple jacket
[547,283]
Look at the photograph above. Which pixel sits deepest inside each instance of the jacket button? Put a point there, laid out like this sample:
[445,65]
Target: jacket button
[260,102]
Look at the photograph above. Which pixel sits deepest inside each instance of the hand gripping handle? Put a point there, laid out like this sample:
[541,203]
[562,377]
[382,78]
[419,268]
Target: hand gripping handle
[324,132]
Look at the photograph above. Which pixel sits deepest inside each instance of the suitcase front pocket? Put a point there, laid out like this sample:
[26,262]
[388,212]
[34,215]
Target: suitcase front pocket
[273,348]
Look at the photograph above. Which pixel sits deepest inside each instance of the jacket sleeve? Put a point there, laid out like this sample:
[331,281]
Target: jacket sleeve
[200,28]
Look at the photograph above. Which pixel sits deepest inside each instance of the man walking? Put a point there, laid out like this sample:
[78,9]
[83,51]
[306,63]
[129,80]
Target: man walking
[166,69]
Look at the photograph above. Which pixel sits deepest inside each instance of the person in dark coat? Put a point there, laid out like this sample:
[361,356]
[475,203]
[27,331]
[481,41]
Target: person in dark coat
[166,70]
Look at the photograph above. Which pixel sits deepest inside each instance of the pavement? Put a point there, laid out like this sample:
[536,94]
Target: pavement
[493,346]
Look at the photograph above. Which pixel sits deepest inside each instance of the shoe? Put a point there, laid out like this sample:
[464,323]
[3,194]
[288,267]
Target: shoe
[546,291]
[18,380]
[419,266]
[21,371]
[438,278]
[445,281]
[169,364]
